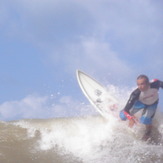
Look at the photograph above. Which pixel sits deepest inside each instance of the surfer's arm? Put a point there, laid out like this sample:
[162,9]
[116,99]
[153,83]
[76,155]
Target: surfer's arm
[133,97]
[161,84]
[157,83]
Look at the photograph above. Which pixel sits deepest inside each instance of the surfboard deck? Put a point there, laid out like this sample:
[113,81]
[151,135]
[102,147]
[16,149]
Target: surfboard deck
[97,94]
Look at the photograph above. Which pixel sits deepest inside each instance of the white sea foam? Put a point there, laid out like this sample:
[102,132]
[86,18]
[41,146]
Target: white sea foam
[95,139]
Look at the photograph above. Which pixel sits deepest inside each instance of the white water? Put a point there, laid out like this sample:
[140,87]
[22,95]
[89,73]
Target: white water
[90,139]
[94,139]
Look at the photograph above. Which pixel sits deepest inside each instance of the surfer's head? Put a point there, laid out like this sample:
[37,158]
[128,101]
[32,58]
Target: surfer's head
[143,82]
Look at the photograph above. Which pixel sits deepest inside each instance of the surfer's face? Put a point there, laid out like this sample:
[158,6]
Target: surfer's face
[142,84]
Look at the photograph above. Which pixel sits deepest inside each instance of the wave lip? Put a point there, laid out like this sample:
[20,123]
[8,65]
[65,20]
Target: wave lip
[82,139]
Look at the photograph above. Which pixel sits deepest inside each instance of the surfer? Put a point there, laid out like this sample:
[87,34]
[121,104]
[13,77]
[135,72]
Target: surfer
[145,97]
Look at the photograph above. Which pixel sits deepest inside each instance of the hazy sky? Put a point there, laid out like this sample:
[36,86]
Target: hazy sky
[42,43]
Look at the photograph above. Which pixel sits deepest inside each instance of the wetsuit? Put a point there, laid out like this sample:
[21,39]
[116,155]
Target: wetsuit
[146,100]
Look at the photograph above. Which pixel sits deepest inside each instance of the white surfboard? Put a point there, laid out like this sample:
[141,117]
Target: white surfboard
[98,96]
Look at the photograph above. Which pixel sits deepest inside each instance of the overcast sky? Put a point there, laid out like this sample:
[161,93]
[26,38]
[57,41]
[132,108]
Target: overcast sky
[42,43]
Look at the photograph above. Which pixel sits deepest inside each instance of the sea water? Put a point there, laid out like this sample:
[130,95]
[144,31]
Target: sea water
[91,139]
[81,139]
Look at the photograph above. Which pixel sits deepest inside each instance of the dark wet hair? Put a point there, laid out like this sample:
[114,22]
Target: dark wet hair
[143,77]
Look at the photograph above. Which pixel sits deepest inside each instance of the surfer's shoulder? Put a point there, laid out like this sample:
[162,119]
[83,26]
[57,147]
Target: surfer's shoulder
[156,83]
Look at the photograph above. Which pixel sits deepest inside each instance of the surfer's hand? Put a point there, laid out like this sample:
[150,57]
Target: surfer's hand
[131,122]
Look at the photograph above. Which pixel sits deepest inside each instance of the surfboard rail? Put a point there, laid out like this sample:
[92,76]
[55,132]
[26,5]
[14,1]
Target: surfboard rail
[96,94]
